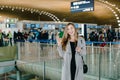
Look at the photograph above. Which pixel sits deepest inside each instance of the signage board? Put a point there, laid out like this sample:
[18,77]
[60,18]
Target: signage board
[82,6]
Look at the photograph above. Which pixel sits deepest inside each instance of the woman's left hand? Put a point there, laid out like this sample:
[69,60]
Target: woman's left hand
[78,49]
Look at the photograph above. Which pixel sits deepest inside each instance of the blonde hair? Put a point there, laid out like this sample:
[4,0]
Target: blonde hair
[66,36]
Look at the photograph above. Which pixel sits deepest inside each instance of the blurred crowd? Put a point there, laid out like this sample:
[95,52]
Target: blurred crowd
[10,38]
[19,36]
[109,35]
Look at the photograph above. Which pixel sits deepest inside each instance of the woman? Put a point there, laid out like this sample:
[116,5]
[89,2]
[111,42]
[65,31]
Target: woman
[71,48]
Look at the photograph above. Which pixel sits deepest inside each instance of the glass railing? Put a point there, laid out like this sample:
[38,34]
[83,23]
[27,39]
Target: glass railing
[104,61]
[7,69]
[8,53]
[42,59]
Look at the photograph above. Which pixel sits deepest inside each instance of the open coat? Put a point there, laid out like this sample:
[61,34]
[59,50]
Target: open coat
[67,55]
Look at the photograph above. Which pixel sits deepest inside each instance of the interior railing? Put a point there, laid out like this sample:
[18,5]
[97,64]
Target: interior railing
[103,62]
[42,61]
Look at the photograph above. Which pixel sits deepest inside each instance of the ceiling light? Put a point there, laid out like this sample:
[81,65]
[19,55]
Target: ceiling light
[33,10]
[118,21]
[6,6]
[117,17]
[12,9]
[113,5]
[114,12]
[37,10]
[117,8]
[9,6]
[118,24]
[22,10]
[41,11]
[25,8]
[19,7]
[1,8]
[106,1]
[58,19]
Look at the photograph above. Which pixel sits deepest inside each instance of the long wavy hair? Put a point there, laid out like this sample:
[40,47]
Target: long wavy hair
[66,36]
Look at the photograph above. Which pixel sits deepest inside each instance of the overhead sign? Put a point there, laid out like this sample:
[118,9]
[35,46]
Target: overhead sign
[28,25]
[11,20]
[48,27]
[82,6]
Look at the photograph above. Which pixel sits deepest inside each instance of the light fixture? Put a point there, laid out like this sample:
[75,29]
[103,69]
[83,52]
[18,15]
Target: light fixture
[22,10]
[52,16]
[9,6]
[118,21]
[117,17]
[25,8]
[116,8]
[113,9]
[114,12]
[1,8]
[6,6]
[114,5]
[12,9]
[118,24]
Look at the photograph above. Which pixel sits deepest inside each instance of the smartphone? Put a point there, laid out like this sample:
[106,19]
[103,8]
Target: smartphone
[61,34]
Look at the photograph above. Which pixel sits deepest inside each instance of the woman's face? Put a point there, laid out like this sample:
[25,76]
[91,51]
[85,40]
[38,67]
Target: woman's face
[71,30]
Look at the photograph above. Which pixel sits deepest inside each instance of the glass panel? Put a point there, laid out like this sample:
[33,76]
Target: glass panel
[92,60]
[110,65]
[42,60]
[6,72]
[53,64]
[8,53]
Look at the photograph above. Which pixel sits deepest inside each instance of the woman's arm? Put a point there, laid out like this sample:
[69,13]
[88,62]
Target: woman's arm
[81,48]
[59,46]
[60,51]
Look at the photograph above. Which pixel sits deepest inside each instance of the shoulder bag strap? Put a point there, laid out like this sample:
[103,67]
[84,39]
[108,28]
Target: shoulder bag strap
[82,59]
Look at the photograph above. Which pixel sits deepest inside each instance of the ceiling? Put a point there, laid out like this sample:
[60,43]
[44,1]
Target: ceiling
[60,8]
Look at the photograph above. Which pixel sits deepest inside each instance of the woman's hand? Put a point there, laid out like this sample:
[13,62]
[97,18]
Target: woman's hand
[58,40]
[78,49]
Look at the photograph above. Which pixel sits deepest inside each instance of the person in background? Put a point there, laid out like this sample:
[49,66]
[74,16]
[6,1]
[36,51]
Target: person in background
[101,39]
[9,35]
[20,36]
[1,38]
[71,48]
[5,39]
[15,37]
